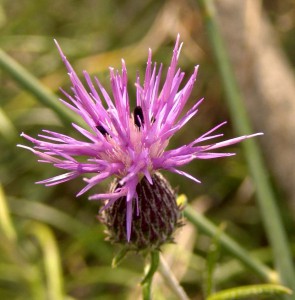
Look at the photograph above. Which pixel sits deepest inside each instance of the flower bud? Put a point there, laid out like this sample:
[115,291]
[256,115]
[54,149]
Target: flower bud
[155,216]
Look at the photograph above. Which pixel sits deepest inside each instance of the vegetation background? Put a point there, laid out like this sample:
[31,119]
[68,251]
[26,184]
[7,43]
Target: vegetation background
[54,232]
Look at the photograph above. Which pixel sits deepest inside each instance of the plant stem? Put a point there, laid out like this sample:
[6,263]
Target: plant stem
[35,87]
[147,280]
[229,244]
[265,195]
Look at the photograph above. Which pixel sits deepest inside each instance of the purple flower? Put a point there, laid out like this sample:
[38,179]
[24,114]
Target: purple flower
[127,144]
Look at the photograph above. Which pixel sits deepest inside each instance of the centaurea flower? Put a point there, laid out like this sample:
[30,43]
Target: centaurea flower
[131,146]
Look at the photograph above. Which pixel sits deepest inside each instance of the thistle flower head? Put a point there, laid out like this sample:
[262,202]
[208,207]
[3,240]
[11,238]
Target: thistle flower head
[129,144]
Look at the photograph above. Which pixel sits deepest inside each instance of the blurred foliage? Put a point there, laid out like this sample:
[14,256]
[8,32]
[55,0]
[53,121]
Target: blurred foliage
[50,227]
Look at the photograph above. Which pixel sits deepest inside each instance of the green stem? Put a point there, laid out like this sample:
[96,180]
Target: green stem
[265,195]
[147,280]
[35,87]
[229,244]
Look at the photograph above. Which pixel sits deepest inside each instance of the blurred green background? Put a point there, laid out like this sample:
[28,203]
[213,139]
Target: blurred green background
[54,228]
